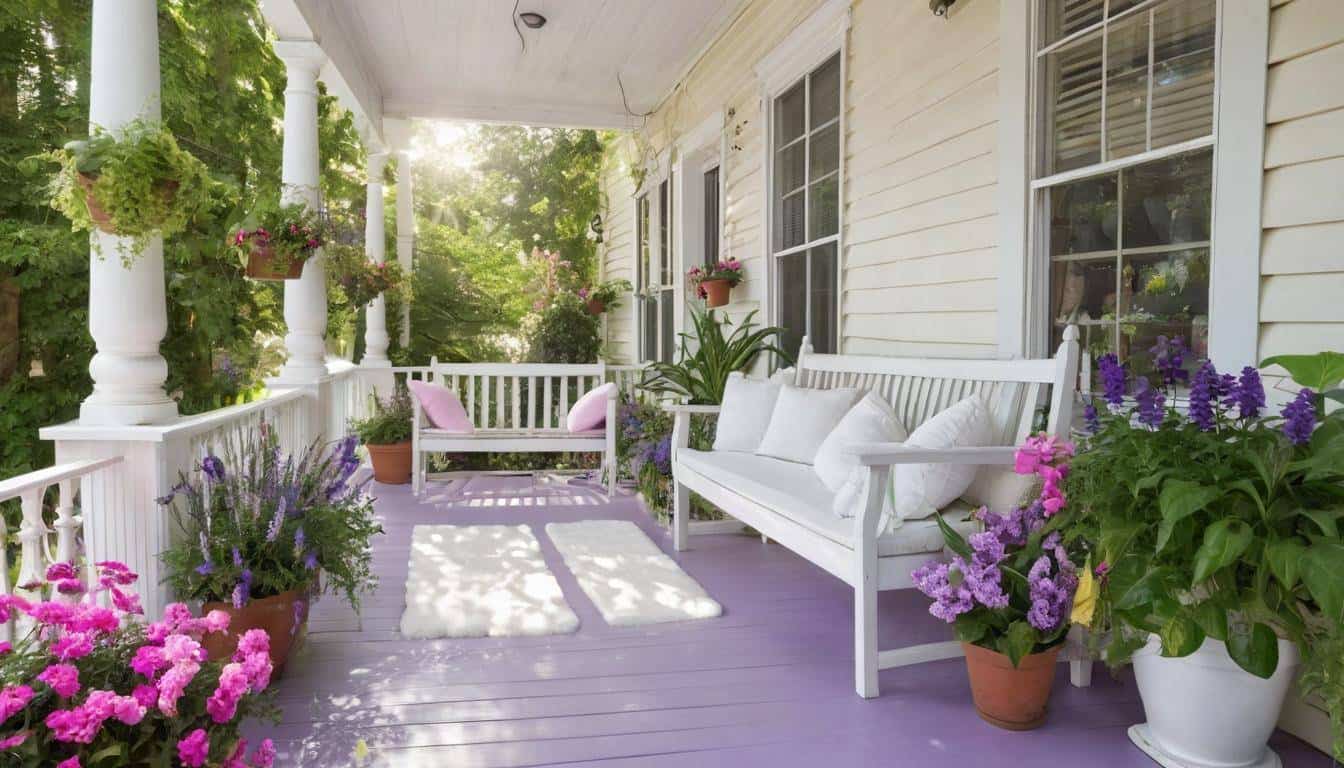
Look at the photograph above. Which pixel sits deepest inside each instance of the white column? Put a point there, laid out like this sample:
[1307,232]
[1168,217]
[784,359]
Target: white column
[128,311]
[375,315]
[305,298]
[405,233]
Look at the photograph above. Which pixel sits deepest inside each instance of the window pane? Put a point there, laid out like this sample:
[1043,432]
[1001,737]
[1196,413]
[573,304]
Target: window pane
[712,216]
[1168,201]
[1164,294]
[825,97]
[1127,87]
[1118,6]
[789,227]
[824,208]
[1082,292]
[668,331]
[1073,80]
[649,308]
[1083,216]
[1183,46]
[665,232]
[824,152]
[789,166]
[1064,17]
[792,293]
[821,298]
[789,115]
[642,242]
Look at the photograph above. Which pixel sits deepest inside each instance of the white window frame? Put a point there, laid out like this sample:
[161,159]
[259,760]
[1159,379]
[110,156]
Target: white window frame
[1241,65]
[699,150]
[822,35]
[651,190]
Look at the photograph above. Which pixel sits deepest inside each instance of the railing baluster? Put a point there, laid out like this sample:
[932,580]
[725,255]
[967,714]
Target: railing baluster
[531,402]
[485,402]
[517,398]
[500,419]
[564,402]
[471,400]
[546,405]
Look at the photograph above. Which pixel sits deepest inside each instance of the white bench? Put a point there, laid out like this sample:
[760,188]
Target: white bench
[789,504]
[515,408]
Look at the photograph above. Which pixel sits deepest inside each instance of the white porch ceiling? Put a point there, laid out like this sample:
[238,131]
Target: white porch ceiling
[462,59]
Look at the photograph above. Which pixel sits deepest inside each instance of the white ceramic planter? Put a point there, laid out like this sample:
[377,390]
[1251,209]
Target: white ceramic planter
[1204,711]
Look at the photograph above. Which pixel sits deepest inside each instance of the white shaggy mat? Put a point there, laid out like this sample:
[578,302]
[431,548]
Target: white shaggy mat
[481,580]
[626,576]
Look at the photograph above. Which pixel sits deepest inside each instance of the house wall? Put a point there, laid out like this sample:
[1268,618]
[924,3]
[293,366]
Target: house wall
[1302,248]
[920,219]
[616,254]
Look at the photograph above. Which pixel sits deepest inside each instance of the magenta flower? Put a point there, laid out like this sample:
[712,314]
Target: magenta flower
[264,756]
[13,741]
[12,699]
[63,679]
[194,749]
[72,762]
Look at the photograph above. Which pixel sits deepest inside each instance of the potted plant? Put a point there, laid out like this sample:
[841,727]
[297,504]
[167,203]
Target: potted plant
[277,240]
[604,296]
[89,686]
[257,527]
[387,434]
[713,284]
[1217,533]
[1009,592]
[134,182]
[360,280]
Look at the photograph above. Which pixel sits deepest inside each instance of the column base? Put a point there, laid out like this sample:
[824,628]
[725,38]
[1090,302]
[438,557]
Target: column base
[94,413]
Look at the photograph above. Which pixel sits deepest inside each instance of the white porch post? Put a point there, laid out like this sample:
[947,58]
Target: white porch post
[405,233]
[375,323]
[305,298]
[128,311]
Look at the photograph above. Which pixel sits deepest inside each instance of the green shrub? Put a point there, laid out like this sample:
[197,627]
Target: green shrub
[564,333]
[389,421]
[699,376]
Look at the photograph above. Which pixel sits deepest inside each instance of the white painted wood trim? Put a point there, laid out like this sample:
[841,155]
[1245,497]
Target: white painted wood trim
[1015,119]
[704,135]
[808,45]
[1238,179]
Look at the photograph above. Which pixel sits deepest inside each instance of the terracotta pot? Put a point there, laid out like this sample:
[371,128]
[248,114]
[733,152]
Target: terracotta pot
[1013,699]
[100,217]
[596,306]
[283,616]
[391,463]
[262,264]
[716,292]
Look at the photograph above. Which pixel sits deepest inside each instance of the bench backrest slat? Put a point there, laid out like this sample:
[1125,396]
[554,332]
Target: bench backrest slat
[531,397]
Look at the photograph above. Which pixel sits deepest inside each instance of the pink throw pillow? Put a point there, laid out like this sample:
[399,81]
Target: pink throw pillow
[591,410]
[442,406]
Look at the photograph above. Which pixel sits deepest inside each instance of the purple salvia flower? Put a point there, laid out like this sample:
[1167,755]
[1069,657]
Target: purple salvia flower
[298,539]
[206,568]
[1299,417]
[1249,394]
[213,467]
[273,530]
[1112,380]
[239,595]
[1090,418]
[310,561]
[237,557]
[1203,395]
[1169,359]
[1150,403]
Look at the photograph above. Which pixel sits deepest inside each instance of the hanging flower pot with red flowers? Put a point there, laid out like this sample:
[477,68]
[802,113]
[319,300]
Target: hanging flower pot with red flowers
[714,284]
[277,241]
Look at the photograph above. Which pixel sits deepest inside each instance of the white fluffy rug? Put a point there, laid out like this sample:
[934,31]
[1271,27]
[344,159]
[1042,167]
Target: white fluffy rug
[626,576]
[481,580]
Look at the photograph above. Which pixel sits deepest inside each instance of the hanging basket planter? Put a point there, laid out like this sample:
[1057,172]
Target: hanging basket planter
[717,292]
[264,264]
[596,307]
[715,284]
[101,218]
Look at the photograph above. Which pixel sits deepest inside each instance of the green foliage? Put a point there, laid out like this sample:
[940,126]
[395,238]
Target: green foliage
[138,176]
[360,280]
[389,420]
[609,293]
[564,333]
[273,520]
[644,453]
[700,374]
[290,231]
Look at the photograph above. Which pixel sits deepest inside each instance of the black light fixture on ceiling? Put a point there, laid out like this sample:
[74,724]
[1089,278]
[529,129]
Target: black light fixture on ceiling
[940,7]
[532,19]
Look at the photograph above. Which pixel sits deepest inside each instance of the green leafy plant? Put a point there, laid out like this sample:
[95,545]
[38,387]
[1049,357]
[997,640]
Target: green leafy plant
[644,453]
[272,522]
[290,232]
[361,280]
[564,332]
[138,180]
[1219,523]
[608,293]
[730,270]
[699,375]
[389,419]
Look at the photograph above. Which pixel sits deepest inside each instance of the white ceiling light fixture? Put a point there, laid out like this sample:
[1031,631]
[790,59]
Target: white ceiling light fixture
[532,19]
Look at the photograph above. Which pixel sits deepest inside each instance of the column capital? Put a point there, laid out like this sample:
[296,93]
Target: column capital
[377,163]
[301,55]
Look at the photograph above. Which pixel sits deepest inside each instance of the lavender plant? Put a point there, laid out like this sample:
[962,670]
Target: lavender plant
[1219,522]
[256,523]
[1011,587]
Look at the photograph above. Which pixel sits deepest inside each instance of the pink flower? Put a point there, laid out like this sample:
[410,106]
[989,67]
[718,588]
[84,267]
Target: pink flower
[79,725]
[13,741]
[145,695]
[194,749]
[5,648]
[112,572]
[126,602]
[61,571]
[63,679]
[70,646]
[148,660]
[176,614]
[235,760]
[216,621]
[173,683]
[9,603]
[72,762]
[264,756]
[13,699]
[52,614]
[253,641]
[233,685]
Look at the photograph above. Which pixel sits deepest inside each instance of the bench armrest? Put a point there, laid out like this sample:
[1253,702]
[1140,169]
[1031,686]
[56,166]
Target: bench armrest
[886,454]
[675,408]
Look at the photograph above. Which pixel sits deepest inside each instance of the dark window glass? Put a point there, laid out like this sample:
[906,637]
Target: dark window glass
[712,216]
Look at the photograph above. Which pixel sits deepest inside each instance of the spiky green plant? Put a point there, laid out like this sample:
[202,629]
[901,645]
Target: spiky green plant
[700,374]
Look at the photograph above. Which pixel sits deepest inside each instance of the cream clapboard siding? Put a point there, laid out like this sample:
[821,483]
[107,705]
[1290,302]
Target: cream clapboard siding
[617,252]
[1302,249]
[920,220]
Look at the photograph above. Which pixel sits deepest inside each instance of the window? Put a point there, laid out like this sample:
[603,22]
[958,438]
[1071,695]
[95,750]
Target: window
[655,268]
[1123,185]
[646,309]
[712,223]
[805,207]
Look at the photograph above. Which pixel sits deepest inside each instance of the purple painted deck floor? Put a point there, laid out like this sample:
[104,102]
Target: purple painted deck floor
[770,683]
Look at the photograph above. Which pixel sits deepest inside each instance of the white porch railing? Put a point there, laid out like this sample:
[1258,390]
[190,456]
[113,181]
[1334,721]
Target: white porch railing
[625,377]
[73,482]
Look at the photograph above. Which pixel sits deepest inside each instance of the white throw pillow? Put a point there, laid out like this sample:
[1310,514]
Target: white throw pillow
[747,407]
[849,499]
[802,420]
[919,490]
[871,420]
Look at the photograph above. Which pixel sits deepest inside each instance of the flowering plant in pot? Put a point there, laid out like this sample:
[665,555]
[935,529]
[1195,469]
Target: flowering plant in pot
[386,432]
[713,284]
[360,280]
[604,296]
[277,240]
[134,182]
[258,526]
[1218,531]
[1008,591]
[88,686]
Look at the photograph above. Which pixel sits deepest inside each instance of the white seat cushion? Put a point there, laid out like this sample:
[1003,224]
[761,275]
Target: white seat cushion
[747,405]
[798,494]
[871,420]
[802,419]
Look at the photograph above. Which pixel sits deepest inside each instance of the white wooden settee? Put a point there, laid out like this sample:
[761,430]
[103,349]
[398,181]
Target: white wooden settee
[515,408]
[786,502]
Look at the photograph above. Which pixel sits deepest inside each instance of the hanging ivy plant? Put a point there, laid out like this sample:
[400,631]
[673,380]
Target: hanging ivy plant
[361,280]
[134,182]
